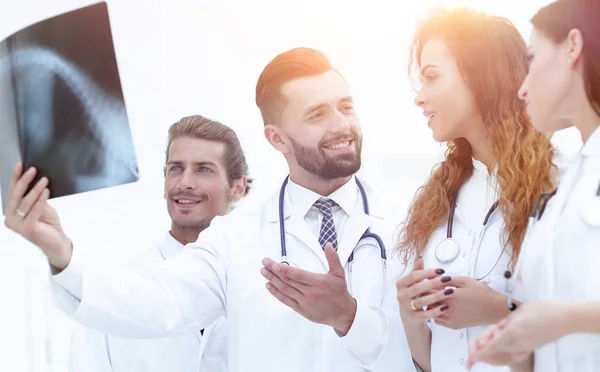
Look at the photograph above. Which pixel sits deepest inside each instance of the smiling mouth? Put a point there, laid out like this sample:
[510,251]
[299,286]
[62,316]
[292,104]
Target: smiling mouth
[339,145]
[187,202]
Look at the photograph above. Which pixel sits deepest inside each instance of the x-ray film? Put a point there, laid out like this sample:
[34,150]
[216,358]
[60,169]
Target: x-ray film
[61,105]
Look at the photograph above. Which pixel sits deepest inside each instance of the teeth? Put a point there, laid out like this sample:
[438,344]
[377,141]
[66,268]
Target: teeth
[340,145]
[430,116]
[186,201]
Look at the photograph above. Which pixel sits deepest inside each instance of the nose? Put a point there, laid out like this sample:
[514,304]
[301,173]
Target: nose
[523,92]
[340,123]
[420,99]
[186,182]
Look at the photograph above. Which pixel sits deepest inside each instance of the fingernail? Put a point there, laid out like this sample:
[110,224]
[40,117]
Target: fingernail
[448,291]
[263,271]
[439,271]
[444,308]
[446,279]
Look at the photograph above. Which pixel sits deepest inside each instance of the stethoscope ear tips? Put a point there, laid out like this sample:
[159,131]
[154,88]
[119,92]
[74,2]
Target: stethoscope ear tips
[507,274]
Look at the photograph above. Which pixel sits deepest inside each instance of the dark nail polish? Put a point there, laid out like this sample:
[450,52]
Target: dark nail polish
[444,308]
[446,279]
[439,271]
[448,291]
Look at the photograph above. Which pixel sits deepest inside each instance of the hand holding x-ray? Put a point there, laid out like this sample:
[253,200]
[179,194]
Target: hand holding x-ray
[29,215]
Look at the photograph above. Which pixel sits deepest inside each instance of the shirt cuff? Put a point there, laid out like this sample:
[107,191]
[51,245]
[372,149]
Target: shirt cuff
[70,279]
[367,332]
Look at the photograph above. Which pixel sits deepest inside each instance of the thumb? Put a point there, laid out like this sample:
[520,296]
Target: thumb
[419,264]
[333,260]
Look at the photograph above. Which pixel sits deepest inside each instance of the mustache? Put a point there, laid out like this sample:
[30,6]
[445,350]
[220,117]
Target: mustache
[187,194]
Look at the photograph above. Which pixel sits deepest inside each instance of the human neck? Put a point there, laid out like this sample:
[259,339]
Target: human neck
[586,120]
[318,185]
[185,235]
[482,149]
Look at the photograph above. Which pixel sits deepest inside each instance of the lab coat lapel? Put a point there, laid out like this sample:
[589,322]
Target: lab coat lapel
[296,227]
[358,222]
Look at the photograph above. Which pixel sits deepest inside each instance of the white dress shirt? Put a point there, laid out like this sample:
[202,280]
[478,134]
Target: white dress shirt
[94,351]
[303,205]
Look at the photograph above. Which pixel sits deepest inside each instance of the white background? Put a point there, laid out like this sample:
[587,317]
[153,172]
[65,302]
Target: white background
[183,57]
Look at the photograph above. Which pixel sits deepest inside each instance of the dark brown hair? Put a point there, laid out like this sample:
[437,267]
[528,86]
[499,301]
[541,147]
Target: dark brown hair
[290,65]
[492,57]
[197,126]
[556,19]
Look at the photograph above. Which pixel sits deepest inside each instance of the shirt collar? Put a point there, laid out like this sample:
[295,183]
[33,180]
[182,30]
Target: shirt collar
[170,246]
[480,167]
[302,199]
[592,146]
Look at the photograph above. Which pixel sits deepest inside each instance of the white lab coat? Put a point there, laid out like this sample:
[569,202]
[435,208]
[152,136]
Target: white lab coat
[449,348]
[221,276]
[561,262]
[94,351]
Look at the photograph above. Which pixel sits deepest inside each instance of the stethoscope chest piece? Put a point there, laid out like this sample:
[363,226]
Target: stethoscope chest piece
[447,250]
[590,211]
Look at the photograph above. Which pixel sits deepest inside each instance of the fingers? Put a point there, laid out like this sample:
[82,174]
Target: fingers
[287,273]
[19,184]
[486,345]
[430,313]
[286,300]
[431,299]
[32,197]
[16,174]
[333,260]
[417,276]
[38,208]
[285,288]
[425,286]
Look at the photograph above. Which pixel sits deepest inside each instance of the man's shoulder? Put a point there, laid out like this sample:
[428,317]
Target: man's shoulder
[149,256]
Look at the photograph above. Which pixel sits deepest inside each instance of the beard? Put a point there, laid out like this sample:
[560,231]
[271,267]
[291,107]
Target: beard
[315,161]
[199,220]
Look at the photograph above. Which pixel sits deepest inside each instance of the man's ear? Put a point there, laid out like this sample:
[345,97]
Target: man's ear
[238,189]
[276,138]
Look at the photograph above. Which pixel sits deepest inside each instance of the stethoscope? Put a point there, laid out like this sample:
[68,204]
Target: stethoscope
[448,249]
[590,212]
[367,234]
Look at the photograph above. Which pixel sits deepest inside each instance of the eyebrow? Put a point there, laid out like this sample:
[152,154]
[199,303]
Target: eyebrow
[196,163]
[318,106]
[428,67]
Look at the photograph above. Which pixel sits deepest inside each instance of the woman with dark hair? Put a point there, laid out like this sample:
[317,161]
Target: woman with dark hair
[560,270]
[465,226]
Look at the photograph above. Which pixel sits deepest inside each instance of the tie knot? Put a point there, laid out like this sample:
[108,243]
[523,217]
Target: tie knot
[324,205]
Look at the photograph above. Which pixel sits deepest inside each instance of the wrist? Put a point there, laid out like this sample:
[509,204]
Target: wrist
[498,308]
[345,319]
[61,260]
[524,365]
[575,317]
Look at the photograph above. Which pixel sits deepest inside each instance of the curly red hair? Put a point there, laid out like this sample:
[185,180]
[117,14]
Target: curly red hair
[492,57]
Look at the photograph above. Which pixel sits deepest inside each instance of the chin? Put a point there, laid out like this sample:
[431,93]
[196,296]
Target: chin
[440,137]
[545,124]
